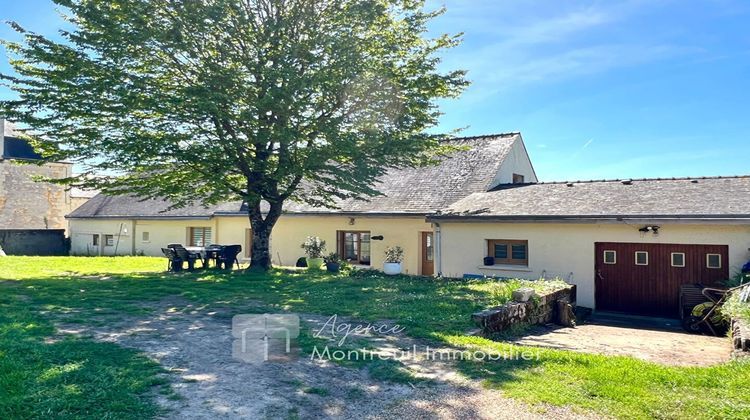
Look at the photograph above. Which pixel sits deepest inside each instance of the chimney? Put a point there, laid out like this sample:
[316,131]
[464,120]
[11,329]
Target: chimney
[2,138]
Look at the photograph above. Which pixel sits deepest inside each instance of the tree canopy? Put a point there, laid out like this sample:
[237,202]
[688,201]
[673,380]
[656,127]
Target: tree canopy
[216,100]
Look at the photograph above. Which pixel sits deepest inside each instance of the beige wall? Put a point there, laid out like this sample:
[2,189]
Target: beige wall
[567,250]
[291,231]
[130,234]
[288,234]
[26,204]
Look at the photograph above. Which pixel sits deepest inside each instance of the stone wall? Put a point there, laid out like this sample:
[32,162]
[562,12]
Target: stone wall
[540,309]
[26,204]
[741,337]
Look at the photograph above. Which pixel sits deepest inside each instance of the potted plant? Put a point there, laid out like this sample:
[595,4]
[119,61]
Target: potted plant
[314,248]
[333,262]
[394,255]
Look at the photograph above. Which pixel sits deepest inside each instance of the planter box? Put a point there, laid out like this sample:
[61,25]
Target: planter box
[540,309]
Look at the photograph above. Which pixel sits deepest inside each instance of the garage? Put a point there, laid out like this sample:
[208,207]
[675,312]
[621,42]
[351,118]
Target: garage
[645,279]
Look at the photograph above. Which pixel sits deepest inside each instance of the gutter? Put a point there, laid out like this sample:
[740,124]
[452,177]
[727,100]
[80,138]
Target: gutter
[720,219]
[438,251]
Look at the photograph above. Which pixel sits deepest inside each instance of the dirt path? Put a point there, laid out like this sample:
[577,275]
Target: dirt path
[196,347]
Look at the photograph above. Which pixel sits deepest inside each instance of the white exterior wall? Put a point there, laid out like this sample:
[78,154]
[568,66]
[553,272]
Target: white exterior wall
[516,162]
[567,250]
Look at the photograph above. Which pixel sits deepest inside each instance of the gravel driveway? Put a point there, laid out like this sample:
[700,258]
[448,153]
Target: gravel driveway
[195,346]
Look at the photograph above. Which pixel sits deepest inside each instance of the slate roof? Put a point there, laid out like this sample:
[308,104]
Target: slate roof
[416,191]
[127,206]
[707,197]
[15,147]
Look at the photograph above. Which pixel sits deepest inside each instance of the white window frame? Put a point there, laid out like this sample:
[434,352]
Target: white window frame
[636,257]
[671,259]
[109,240]
[146,237]
[708,260]
[614,260]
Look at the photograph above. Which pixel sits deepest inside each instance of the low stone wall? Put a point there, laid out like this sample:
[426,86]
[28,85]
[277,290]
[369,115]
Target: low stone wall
[539,309]
[34,242]
[741,337]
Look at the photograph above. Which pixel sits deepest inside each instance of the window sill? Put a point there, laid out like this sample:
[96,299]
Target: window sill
[506,267]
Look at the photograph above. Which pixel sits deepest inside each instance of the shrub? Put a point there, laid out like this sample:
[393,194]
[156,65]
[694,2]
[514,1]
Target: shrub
[734,308]
[314,247]
[394,254]
[333,258]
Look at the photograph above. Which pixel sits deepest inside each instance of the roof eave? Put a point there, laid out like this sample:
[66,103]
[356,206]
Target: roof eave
[693,218]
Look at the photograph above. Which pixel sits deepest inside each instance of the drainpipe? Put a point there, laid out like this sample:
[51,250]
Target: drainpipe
[438,253]
[132,237]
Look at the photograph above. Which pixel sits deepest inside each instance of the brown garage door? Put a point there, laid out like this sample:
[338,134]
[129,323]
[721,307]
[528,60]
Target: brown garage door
[645,279]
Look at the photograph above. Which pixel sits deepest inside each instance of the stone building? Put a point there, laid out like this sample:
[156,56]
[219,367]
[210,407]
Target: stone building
[25,203]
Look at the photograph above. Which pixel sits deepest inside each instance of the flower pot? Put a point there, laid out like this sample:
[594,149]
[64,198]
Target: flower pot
[314,263]
[392,269]
[333,267]
[489,261]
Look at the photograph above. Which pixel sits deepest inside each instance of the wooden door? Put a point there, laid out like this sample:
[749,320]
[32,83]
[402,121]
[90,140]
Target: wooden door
[428,254]
[645,279]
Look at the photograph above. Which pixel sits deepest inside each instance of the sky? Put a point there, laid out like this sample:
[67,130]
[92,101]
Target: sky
[598,89]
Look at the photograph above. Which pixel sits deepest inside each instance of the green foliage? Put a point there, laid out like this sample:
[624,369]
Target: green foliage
[394,254]
[734,308]
[501,291]
[223,100]
[333,258]
[314,247]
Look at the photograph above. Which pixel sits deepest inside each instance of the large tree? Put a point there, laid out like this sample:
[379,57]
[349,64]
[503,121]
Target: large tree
[214,100]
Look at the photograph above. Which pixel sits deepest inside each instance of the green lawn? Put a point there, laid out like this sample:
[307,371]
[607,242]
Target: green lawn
[82,378]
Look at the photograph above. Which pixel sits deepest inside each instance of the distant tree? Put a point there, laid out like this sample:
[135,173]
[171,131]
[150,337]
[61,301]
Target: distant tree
[215,100]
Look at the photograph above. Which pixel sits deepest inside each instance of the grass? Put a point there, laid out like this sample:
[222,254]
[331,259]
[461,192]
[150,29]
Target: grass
[70,377]
[734,308]
[90,290]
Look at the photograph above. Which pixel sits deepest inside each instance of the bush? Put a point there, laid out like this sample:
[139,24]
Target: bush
[394,254]
[314,247]
[333,258]
[733,308]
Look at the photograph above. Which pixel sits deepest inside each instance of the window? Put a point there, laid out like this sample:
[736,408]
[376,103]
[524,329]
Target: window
[95,240]
[518,179]
[641,258]
[678,259]
[610,257]
[713,260]
[145,237]
[508,251]
[354,247]
[109,240]
[200,236]
[428,248]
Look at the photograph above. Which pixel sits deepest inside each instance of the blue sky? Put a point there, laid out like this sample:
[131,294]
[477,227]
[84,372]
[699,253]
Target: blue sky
[599,89]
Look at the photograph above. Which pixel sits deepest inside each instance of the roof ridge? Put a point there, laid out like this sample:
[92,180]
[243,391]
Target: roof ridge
[686,178]
[485,136]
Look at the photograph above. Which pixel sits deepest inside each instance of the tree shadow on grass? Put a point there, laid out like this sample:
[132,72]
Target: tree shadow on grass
[43,374]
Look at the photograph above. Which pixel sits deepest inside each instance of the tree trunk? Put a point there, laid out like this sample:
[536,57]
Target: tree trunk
[260,256]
